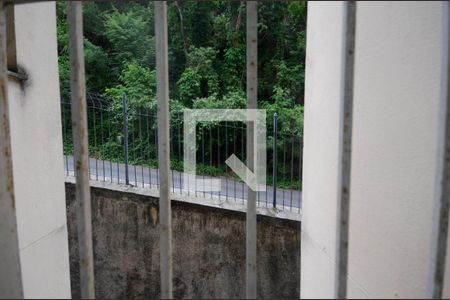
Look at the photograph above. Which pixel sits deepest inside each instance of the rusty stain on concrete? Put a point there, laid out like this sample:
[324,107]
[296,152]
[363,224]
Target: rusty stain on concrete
[154,215]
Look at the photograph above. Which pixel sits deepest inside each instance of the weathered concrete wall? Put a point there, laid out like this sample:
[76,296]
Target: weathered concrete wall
[208,255]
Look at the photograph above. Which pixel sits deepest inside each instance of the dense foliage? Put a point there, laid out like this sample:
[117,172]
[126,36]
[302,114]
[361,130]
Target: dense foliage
[207,54]
[207,69]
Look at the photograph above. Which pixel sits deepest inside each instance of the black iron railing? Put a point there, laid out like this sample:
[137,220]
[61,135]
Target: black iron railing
[123,149]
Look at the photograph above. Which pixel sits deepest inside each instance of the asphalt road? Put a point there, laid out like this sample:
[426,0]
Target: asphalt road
[231,189]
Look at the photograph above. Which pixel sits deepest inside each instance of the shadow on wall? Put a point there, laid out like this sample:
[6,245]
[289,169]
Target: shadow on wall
[208,249]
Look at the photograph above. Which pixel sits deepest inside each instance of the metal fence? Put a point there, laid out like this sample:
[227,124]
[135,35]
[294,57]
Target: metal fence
[123,149]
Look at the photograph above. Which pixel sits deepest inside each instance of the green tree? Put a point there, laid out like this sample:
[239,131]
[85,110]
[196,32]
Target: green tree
[130,39]
[139,84]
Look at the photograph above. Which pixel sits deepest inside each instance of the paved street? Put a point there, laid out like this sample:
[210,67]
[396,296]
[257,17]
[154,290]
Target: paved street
[148,177]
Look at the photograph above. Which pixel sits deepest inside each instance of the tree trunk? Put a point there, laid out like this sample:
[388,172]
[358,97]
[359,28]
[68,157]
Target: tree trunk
[185,48]
[238,24]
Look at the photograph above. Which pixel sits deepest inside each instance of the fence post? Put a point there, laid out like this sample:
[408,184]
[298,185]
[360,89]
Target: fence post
[125,134]
[275,160]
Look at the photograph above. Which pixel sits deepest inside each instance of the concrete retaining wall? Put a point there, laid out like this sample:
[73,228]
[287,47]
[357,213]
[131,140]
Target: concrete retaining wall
[208,249]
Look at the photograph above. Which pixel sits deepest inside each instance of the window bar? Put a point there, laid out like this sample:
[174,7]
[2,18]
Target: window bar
[343,206]
[442,199]
[81,152]
[162,87]
[10,272]
[252,91]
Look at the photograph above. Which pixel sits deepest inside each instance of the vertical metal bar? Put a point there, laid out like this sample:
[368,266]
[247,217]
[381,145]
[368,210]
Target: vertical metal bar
[267,190]
[64,137]
[173,181]
[147,116]
[142,150]
[218,155]
[203,156]
[110,149]
[179,143]
[179,155]
[116,119]
[134,150]
[10,271]
[292,166]
[243,159]
[300,172]
[343,207]
[210,156]
[275,159]
[234,151]
[179,180]
[243,190]
[162,84]
[226,157]
[89,162]
[442,198]
[292,157]
[102,140]
[81,152]
[218,146]
[284,144]
[252,92]
[157,170]
[125,136]
[94,108]
[171,132]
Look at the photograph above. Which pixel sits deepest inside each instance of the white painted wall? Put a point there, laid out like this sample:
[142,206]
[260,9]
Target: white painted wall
[320,153]
[36,139]
[395,132]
